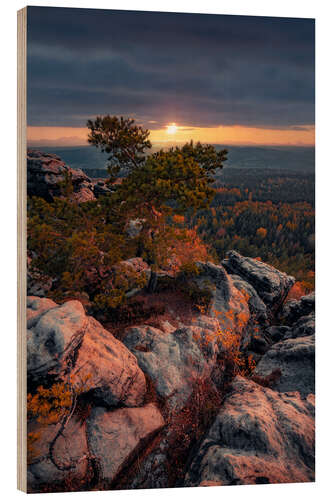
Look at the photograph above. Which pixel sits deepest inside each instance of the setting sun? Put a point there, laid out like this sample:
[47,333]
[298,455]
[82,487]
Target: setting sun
[172,129]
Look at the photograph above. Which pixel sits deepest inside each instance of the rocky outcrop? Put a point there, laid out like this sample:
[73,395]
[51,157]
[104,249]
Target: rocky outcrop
[64,339]
[271,285]
[161,407]
[48,177]
[176,358]
[259,436]
[115,437]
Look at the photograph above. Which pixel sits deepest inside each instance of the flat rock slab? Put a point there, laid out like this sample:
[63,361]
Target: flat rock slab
[115,436]
[259,436]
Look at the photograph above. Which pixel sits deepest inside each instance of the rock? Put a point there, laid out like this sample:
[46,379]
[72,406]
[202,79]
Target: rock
[175,361]
[112,372]
[227,303]
[304,327]
[277,333]
[271,285]
[101,188]
[259,436]
[260,343]
[69,459]
[51,341]
[63,339]
[293,310]
[114,437]
[38,284]
[134,227]
[257,306]
[296,360]
[37,306]
[47,172]
[134,273]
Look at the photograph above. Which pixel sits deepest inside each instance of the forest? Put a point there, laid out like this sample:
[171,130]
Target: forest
[267,214]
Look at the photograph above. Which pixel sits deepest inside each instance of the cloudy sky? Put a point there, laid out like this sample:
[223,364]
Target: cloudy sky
[221,79]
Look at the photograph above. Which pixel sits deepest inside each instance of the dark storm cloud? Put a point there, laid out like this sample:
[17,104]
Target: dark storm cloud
[196,70]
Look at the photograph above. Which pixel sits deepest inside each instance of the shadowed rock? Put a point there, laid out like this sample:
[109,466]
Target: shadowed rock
[293,310]
[69,458]
[296,360]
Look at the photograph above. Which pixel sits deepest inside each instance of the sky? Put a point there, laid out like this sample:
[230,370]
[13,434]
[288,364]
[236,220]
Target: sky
[214,78]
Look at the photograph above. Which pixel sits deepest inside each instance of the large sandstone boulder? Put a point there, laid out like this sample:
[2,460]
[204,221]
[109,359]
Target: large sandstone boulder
[271,284]
[295,358]
[64,339]
[177,359]
[47,172]
[114,437]
[259,436]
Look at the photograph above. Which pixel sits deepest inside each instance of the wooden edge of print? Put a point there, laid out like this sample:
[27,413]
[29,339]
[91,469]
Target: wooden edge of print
[21,250]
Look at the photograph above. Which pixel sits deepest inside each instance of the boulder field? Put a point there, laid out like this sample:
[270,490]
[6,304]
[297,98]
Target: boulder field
[159,406]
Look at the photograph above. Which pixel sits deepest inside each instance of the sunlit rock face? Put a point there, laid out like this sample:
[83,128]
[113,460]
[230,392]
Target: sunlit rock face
[46,173]
[113,436]
[259,436]
[64,339]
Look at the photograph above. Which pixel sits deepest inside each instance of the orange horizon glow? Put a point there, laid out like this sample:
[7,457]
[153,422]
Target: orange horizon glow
[229,135]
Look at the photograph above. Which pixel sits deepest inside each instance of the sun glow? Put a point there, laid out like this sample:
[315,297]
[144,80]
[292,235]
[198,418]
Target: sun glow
[171,129]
